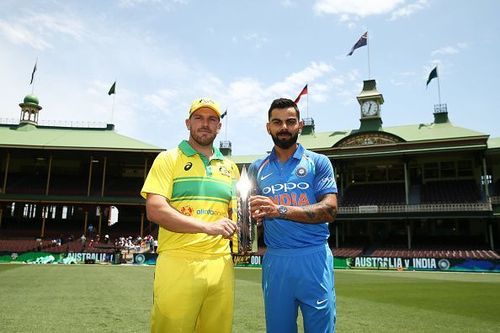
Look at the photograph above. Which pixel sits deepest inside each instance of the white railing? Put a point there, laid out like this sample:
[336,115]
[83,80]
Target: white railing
[495,200]
[9,121]
[59,123]
[457,207]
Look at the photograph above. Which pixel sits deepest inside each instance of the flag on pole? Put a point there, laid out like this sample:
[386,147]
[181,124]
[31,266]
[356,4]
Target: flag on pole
[433,74]
[362,41]
[33,73]
[112,89]
[303,92]
[223,114]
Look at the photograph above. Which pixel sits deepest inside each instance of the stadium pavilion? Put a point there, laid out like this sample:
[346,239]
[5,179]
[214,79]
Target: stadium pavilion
[58,180]
[423,187]
[405,188]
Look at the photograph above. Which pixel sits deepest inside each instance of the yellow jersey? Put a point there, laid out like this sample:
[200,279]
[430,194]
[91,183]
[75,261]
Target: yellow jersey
[194,186]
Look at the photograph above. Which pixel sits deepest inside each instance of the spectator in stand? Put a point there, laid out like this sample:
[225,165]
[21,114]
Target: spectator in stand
[83,239]
[106,239]
[90,230]
[296,200]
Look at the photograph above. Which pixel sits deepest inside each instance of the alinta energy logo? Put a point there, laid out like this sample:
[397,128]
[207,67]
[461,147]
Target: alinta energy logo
[186,210]
[210,212]
[188,166]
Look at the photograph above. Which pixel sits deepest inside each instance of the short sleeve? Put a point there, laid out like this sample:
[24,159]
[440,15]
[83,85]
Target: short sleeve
[160,176]
[324,180]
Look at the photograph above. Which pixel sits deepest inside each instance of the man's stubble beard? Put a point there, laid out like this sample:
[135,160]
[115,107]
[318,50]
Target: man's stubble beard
[203,140]
[287,143]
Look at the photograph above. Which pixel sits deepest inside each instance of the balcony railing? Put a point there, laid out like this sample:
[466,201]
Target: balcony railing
[456,207]
[495,200]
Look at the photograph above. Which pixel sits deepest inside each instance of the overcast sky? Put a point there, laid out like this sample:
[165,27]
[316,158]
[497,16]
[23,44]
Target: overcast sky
[165,53]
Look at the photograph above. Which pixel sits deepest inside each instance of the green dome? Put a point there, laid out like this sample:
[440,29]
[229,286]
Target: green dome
[30,99]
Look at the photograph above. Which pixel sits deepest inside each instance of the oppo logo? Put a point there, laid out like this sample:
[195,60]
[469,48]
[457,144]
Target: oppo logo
[188,166]
[285,187]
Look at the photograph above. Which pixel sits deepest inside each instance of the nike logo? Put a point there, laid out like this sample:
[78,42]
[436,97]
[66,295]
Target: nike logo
[318,302]
[264,177]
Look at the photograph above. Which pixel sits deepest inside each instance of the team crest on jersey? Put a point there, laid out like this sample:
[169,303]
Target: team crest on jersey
[186,210]
[188,166]
[301,172]
[223,170]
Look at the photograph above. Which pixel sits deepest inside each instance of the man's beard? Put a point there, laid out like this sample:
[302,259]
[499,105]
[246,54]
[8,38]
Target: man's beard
[203,140]
[285,143]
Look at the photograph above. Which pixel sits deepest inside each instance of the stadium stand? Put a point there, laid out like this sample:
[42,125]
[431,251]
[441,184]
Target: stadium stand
[450,191]
[436,253]
[416,190]
[374,194]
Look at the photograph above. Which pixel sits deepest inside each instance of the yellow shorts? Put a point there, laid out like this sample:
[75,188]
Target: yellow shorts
[193,293]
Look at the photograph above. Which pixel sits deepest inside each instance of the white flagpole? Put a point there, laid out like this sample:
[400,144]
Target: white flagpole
[368,47]
[307,101]
[439,88]
[113,107]
[33,76]
[226,117]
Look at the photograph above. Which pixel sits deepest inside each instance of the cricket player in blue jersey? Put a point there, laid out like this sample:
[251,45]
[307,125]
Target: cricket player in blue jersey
[296,199]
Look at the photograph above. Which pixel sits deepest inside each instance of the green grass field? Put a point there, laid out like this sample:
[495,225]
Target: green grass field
[98,298]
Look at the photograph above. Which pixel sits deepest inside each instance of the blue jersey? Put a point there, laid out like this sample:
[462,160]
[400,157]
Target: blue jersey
[300,181]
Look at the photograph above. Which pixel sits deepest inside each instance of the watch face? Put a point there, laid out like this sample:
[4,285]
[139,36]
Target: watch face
[369,108]
[282,210]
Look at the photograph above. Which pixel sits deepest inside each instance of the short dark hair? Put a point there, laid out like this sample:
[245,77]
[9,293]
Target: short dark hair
[282,103]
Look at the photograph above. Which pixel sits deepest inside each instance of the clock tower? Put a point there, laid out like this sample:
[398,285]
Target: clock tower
[370,101]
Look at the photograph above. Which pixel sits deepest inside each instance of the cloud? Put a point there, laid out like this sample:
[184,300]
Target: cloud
[254,39]
[37,30]
[165,4]
[288,3]
[162,100]
[19,34]
[448,50]
[410,9]
[351,11]
[360,8]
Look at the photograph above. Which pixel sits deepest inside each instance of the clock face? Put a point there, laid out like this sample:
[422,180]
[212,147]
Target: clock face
[369,108]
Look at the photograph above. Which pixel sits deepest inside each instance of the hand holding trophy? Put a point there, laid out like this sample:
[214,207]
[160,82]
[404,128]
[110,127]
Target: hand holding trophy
[247,233]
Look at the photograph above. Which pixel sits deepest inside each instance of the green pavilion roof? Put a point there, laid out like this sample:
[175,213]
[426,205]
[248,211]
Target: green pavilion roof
[72,138]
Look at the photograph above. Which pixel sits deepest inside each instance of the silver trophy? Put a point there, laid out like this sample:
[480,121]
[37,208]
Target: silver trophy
[247,234]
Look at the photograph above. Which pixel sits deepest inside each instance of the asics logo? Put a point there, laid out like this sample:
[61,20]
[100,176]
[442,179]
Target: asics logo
[266,176]
[285,187]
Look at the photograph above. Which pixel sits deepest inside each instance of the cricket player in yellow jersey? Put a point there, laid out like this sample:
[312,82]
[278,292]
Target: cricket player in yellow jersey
[190,194]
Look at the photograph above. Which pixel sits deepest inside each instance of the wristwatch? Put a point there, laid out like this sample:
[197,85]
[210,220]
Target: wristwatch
[282,210]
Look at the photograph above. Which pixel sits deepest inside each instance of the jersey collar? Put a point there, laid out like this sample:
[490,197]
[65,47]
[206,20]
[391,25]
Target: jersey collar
[186,148]
[297,154]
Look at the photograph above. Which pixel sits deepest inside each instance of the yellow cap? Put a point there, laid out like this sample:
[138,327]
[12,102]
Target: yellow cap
[205,102]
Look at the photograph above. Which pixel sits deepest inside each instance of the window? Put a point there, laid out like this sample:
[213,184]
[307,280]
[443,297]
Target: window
[464,168]
[448,169]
